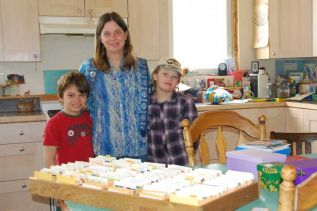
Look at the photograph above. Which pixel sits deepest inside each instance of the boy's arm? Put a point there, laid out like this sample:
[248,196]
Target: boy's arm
[191,112]
[49,156]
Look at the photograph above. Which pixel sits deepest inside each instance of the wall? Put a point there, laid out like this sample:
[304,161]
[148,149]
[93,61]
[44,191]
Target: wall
[57,52]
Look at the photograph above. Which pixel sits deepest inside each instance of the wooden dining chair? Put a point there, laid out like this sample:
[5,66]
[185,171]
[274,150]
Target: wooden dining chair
[300,143]
[218,120]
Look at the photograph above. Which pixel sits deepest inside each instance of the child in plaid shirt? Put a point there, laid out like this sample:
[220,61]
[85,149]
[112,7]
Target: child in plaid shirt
[166,110]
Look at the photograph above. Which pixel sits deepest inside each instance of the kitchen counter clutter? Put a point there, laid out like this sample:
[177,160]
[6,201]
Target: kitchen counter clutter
[20,109]
[47,98]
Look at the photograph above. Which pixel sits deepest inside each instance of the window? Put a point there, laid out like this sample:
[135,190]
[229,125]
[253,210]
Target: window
[202,32]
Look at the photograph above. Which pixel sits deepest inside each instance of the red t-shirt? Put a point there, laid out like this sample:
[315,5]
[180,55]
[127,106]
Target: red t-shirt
[72,135]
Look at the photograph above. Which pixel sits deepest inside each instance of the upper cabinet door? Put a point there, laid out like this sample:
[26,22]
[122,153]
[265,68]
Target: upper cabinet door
[96,8]
[149,28]
[290,29]
[20,36]
[87,8]
[62,7]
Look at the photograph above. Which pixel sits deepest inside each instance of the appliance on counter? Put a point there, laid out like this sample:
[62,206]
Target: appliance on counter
[50,108]
[259,83]
[222,69]
[51,113]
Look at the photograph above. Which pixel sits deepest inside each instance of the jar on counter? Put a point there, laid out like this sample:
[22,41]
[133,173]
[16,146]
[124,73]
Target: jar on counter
[247,93]
[283,90]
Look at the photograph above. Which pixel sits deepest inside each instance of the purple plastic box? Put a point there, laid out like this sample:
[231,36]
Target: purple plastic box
[304,169]
[246,160]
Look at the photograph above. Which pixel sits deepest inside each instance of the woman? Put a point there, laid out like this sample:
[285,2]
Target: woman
[120,85]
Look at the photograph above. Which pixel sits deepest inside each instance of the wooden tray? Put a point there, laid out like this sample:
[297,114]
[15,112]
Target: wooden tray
[119,201]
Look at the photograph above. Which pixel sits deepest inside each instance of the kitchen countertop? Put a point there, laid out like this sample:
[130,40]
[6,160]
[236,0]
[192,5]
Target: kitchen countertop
[207,107]
[16,117]
[43,97]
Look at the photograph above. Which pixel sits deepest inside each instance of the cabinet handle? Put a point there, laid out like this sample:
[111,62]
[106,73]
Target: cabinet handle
[90,12]
[21,133]
[21,149]
[35,56]
[23,186]
[79,11]
[273,53]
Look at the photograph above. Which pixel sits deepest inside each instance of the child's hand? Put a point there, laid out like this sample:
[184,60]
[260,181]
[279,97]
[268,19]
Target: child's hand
[62,205]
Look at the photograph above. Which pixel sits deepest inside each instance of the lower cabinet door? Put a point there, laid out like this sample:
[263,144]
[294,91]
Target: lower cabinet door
[14,196]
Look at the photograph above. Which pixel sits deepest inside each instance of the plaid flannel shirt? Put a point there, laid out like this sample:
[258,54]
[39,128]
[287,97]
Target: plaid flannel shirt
[165,132]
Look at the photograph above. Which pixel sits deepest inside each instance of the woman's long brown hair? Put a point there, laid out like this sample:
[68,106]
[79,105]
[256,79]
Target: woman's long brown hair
[101,60]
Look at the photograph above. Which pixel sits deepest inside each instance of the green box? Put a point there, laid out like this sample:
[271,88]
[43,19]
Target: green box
[270,176]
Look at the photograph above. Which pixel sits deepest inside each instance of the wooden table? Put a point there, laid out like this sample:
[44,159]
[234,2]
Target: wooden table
[119,201]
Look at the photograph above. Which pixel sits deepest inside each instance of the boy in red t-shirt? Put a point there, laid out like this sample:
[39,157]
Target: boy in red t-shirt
[68,134]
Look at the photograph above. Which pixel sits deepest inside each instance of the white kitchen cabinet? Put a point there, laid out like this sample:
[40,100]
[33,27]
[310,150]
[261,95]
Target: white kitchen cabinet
[275,118]
[21,152]
[19,30]
[310,120]
[149,24]
[290,29]
[82,8]
[294,120]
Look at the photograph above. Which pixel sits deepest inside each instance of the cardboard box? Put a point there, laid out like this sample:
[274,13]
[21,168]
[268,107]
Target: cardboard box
[247,160]
[270,175]
[225,81]
[304,169]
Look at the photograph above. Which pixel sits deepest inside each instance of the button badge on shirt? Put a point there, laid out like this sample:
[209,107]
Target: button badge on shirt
[70,133]
[82,133]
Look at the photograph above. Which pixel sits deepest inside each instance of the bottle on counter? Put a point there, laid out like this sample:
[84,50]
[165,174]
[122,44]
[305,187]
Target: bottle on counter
[292,87]
[245,80]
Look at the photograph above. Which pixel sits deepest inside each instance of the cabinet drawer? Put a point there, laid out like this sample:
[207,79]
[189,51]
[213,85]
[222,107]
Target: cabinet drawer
[14,195]
[13,186]
[21,132]
[17,149]
[18,161]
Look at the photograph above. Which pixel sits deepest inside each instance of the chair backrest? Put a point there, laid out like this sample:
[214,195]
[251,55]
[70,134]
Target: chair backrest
[301,143]
[218,119]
